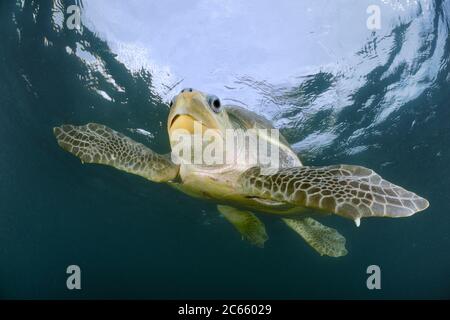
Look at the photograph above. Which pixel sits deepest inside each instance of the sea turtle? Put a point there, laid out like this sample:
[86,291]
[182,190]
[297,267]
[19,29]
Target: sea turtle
[293,192]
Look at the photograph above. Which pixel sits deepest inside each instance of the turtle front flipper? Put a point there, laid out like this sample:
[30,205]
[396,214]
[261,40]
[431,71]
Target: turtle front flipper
[326,241]
[353,192]
[96,143]
[248,225]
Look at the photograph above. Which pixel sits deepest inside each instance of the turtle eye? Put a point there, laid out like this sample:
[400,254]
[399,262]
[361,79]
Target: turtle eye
[214,103]
[171,103]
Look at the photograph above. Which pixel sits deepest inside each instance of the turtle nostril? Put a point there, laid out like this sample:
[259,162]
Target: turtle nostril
[187,89]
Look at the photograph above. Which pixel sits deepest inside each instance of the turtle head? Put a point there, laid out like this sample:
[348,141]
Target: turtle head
[193,111]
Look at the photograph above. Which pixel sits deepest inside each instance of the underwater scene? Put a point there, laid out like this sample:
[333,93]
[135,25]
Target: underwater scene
[357,90]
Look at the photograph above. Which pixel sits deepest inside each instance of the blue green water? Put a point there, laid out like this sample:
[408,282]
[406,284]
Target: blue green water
[340,93]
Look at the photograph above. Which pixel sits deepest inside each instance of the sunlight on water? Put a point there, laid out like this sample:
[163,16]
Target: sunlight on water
[264,57]
[340,90]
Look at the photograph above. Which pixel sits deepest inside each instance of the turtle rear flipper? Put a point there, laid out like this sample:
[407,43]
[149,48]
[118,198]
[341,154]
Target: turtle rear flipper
[326,241]
[96,143]
[353,192]
[248,225]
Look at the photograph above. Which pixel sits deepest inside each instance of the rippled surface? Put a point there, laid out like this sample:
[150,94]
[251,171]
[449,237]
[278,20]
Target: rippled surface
[340,92]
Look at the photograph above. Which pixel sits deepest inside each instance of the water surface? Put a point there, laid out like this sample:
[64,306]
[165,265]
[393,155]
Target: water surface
[341,93]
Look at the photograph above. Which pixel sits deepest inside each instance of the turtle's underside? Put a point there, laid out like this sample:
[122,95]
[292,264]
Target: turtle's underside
[294,192]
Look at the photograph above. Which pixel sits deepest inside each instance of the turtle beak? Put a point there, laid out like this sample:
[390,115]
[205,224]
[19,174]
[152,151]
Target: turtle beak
[185,122]
[190,112]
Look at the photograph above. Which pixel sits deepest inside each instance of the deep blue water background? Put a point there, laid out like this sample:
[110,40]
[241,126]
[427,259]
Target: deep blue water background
[135,239]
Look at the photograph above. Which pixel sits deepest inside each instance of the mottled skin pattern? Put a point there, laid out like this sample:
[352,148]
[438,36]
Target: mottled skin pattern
[319,236]
[293,192]
[244,222]
[349,191]
[95,143]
